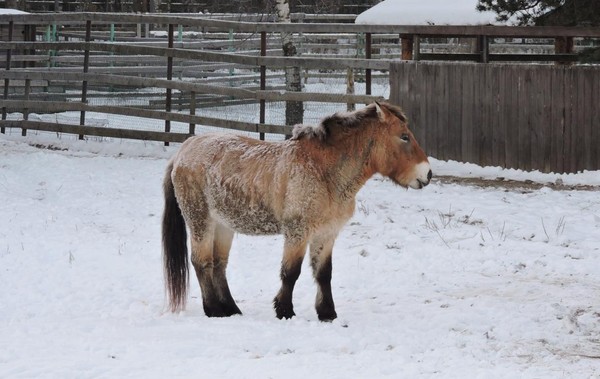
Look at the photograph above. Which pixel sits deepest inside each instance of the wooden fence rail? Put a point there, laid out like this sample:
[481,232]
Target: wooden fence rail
[531,117]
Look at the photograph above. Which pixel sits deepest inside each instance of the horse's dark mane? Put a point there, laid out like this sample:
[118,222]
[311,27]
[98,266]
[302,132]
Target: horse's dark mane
[343,121]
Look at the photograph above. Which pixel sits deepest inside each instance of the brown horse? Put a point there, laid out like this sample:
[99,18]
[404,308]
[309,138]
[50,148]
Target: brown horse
[303,188]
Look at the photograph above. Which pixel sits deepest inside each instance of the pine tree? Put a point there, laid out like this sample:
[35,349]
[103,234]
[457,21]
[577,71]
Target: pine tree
[545,12]
[525,11]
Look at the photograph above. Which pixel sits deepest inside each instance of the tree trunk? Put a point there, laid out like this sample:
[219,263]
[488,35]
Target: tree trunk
[350,88]
[294,110]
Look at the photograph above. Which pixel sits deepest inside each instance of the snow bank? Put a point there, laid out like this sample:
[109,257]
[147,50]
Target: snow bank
[423,12]
[11,11]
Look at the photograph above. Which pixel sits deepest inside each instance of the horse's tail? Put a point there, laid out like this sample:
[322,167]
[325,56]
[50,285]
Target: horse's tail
[174,241]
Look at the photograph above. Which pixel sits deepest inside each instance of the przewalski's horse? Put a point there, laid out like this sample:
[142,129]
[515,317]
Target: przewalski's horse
[303,188]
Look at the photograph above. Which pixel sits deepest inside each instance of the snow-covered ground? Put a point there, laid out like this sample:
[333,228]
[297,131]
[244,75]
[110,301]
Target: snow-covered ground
[452,281]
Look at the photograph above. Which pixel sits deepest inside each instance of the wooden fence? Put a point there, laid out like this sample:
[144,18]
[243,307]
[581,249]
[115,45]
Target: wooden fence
[532,117]
[78,53]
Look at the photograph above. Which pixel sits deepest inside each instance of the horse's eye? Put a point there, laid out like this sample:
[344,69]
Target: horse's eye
[405,137]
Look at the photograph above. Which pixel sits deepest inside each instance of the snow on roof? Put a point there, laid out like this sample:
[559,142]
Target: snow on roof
[11,11]
[424,12]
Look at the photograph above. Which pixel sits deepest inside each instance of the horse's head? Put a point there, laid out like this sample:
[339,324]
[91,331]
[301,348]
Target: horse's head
[398,154]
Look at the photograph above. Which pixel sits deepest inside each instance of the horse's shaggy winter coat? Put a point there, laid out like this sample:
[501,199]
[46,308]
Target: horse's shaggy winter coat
[303,188]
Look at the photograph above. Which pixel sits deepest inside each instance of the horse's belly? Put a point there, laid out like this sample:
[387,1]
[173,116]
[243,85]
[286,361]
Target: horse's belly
[246,218]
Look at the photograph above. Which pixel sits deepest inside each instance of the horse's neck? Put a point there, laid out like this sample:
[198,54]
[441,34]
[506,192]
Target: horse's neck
[350,169]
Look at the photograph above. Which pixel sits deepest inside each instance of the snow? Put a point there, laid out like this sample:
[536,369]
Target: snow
[451,281]
[424,12]
[11,11]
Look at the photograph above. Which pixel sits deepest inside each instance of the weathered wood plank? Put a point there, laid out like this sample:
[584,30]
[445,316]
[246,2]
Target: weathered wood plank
[501,117]
[34,106]
[484,116]
[558,119]
[428,78]
[453,113]
[97,131]
[568,136]
[467,118]
[545,129]
[595,122]
[526,118]
[512,124]
[441,114]
[586,80]
[494,116]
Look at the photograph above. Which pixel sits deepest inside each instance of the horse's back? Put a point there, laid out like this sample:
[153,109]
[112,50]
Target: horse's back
[241,180]
[257,187]
[213,147]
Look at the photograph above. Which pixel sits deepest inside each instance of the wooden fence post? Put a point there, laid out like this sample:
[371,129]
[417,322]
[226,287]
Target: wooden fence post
[484,49]
[231,49]
[169,77]
[563,45]
[263,80]
[192,130]
[6,80]
[417,48]
[350,88]
[26,110]
[86,67]
[407,46]
[368,46]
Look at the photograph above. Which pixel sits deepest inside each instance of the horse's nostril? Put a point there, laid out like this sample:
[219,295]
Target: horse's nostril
[429,175]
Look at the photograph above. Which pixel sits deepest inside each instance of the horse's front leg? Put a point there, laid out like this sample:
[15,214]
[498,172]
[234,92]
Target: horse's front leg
[320,260]
[291,265]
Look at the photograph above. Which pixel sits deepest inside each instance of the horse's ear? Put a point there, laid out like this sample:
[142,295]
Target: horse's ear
[380,112]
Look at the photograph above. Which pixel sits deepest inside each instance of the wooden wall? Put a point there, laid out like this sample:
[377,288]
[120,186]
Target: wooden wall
[530,117]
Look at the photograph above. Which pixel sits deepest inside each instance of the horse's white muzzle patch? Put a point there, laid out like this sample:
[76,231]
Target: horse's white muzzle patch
[422,176]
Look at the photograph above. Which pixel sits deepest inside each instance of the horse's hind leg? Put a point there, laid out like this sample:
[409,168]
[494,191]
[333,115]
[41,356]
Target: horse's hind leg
[210,252]
[202,260]
[320,261]
[221,246]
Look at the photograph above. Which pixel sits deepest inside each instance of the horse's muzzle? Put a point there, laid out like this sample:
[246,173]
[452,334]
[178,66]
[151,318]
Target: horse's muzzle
[423,176]
[424,183]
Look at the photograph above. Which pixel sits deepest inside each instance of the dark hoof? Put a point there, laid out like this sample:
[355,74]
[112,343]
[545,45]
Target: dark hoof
[215,312]
[231,309]
[221,310]
[283,310]
[327,316]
